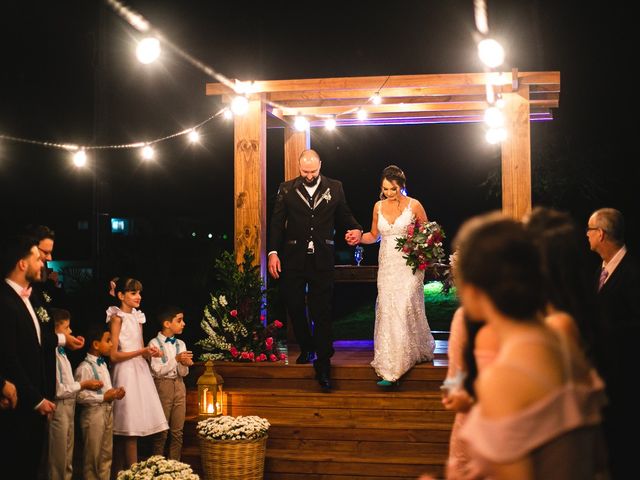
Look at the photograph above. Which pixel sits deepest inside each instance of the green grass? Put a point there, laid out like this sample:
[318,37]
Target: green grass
[355,314]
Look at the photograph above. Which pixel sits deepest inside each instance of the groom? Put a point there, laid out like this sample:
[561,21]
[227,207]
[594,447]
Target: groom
[301,248]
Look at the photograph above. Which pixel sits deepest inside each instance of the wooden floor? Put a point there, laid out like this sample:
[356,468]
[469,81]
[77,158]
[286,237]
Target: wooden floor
[357,431]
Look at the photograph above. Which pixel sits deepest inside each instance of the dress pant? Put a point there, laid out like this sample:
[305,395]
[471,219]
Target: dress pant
[96,422]
[308,295]
[173,397]
[61,437]
[22,439]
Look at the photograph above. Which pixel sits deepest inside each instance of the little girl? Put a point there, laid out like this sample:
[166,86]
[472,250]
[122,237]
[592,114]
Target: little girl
[140,412]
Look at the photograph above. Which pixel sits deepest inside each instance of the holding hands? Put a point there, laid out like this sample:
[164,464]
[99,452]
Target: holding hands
[151,351]
[185,358]
[353,237]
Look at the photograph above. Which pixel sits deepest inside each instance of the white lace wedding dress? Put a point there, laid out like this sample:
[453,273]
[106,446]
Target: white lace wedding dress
[402,337]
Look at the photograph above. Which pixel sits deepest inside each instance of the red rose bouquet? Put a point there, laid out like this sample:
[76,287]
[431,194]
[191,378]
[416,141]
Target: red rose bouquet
[422,246]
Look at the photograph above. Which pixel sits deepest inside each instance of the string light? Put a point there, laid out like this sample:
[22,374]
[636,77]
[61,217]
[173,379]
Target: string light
[491,52]
[376,99]
[494,117]
[193,136]
[330,123]
[147,153]
[227,114]
[148,50]
[240,105]
[362,114]
[80,158]
[301,123]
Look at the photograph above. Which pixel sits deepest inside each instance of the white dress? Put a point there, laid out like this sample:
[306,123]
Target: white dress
[140,412]
[402,337]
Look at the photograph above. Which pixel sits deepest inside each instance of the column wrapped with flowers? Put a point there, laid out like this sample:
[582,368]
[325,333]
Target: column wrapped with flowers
[233,448]
[234,319]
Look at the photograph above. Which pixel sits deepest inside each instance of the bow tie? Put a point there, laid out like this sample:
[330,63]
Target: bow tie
[100,361]
[170,340]
[25,292]
[61,351]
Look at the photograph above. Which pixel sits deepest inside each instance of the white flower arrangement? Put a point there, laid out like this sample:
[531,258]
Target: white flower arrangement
[227,427]
[46,296]
[327,195]
[159,468]
[42,314]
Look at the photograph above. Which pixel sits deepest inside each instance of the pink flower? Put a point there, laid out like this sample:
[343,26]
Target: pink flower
[233,313]
[244,355]
[277,323]
[261,358]
[283,356]
[410,230]
[406,249]
[269,342]
[252,355]
[422,266]
[273,358]
[234,352]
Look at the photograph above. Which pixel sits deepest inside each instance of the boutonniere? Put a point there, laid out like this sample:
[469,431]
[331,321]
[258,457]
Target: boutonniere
[42,314]
[46,296]
[327,195]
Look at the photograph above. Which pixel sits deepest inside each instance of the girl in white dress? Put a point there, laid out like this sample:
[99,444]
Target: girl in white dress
[140,412]
[402,337]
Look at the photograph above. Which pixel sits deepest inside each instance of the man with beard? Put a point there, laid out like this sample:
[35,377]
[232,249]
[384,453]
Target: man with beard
[301,247]
[27,343]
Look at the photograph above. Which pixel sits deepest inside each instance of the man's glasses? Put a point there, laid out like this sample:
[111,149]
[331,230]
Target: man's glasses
[44,252]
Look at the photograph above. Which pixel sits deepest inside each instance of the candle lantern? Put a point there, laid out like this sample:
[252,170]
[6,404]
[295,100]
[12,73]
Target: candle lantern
[209,392]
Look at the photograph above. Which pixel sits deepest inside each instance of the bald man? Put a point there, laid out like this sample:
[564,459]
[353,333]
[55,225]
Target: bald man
[301,252]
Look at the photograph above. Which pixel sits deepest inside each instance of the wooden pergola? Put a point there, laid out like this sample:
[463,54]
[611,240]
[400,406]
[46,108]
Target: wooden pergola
[406,99]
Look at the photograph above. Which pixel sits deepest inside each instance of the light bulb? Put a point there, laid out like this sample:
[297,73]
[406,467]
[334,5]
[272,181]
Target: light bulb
[194,136]
[147,152]
[240,105]
[496,135]
[330,123]
[491,52]
[148,50]
[227,114]
[80,158]
[376,99]
[362,114]
[301,123]
[494,117]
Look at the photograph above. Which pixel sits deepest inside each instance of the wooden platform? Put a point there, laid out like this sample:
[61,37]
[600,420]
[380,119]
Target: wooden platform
[358,431]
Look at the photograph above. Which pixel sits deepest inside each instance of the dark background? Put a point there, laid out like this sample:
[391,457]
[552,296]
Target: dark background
[69,75]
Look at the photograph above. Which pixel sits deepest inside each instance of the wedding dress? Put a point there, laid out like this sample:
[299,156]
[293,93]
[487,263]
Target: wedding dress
[402,337]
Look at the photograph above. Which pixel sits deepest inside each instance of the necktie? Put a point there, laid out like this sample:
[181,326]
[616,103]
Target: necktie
[170,340]
[61,351]
[100,361]
[603,277]
[25,292]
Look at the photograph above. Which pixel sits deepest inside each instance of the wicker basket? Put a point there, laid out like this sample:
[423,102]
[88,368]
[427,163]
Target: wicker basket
[233,459]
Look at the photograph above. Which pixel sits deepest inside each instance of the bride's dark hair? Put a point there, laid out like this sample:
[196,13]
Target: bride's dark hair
[393,173]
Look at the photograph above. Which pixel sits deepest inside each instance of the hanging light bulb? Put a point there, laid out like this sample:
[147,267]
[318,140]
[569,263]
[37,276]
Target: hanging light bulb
[301,123]
[362,114]
[80,158]
[148,50]
[227,114]
[496,135]
[494,117]
[376,99]
[330,123]
[240,105]
[147,152]
[491,52]
[193,136]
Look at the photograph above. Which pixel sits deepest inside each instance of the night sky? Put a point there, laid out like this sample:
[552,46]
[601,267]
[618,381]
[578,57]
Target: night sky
[69,75]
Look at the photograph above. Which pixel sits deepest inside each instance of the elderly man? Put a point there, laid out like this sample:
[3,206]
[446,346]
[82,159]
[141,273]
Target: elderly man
[618,286]
[301,245]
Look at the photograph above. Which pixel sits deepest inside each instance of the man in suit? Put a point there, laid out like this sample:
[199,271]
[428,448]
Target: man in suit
[301,247]
[618,286]
[27,343]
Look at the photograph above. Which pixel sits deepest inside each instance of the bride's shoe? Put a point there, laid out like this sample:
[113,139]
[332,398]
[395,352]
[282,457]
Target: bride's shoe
[388,383]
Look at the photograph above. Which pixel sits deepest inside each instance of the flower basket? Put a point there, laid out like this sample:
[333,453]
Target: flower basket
[233,459]
[158,467]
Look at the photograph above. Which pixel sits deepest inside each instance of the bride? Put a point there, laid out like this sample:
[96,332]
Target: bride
[402,337]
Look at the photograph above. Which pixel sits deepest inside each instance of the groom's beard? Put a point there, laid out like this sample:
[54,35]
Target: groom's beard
[310,183]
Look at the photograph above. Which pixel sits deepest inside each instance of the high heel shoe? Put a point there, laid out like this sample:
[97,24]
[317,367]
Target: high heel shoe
[388,383]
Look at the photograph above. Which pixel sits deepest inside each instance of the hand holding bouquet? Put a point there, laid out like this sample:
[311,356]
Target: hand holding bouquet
[422,247]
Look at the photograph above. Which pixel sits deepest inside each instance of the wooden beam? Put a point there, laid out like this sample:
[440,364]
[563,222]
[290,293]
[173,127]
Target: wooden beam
[250,198]
[295,142]
[516,155]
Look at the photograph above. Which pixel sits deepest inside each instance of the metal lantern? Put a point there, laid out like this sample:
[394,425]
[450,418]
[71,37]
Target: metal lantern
[210,392]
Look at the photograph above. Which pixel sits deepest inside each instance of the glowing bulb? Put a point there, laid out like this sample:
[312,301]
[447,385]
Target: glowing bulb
[330,123]
[493,117]
[147,152]
[496,135]
[491,52]
[500,103]
[194,136]
[301,124]
[362,114]
[210,235]
[240,105]
[148,50]
[376,99]
[227,114]
[80,158]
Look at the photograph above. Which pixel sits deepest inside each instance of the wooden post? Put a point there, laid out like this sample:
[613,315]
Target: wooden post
[295,142]
[250,181]
[516,154]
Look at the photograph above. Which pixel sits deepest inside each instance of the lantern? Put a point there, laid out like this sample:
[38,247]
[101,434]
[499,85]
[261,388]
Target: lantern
[209,392]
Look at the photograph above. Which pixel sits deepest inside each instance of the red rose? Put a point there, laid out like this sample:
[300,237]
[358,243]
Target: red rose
[252,355]
[244,355]
[273,358]
[269,342]
[261,358]
[277,323]
[233,313]
[410,230]
[234,352]
[422,266]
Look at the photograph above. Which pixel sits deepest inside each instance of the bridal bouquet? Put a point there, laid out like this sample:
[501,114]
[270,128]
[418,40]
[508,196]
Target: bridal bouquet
[226,427]
[160,468]
[422,247]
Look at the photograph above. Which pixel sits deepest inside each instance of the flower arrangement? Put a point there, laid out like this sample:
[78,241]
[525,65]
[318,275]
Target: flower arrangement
[160,468]
[226,427]
[422,246]
[233,319]
[42,314]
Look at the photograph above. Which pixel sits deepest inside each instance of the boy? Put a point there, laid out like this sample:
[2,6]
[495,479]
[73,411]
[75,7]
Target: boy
[61,430]
[96,418]
[168,372]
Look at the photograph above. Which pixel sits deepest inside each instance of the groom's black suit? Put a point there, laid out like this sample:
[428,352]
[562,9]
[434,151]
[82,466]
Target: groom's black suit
[298,219]
[30,365]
